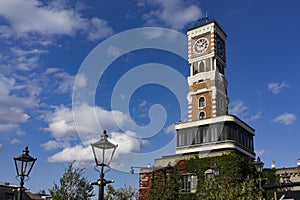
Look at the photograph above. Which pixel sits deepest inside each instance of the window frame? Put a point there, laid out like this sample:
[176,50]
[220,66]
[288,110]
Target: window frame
[202,104]
[204,116]
[200,66]
[189,183]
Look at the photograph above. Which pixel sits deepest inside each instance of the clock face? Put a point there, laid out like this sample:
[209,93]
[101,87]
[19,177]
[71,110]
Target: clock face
[220,48]
[201,45]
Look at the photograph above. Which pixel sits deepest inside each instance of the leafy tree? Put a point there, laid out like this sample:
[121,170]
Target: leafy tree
[123,193]
[73,186]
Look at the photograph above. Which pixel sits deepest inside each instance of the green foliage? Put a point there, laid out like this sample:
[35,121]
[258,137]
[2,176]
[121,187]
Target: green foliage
[165,186]
[73,186]
[248,190]
[269,176]
[237,180]
[188,196]
[231,183]
[123,193]
[226,190]
[231,164]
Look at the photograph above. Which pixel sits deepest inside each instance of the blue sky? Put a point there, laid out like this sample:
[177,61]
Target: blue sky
[45,44]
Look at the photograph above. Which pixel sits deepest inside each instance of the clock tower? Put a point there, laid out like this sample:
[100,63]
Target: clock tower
[210,130]
[207,95]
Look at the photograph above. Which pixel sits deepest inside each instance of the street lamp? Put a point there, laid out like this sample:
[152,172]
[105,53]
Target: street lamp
[259,165]
[103,151]
[24,164]
[215,170]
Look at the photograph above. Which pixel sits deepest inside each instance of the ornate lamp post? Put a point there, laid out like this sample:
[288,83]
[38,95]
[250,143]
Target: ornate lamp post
[103,151]
[24,164]
[259,165]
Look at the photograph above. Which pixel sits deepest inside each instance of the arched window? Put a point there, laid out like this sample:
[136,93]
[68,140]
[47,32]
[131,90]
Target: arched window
[202,115]
[201,67]
[201,102]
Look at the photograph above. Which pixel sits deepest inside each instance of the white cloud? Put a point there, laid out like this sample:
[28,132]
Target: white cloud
[53,144]
[52,70]
[27,63]
[9,127]
[81,81]
[26,60]
[34,16]
[20,52]
[13,109]
[15,141]
[173,13]
[67,82]
[61,123]
[69,154]
[286,119]
[61,81]
[238,108]
[170,129]
[6,84]
[260,152]
[114,51]
[255,117]
[127,143]
[63,128]
[154,33]
[98,29]
[277,88]
[143,104]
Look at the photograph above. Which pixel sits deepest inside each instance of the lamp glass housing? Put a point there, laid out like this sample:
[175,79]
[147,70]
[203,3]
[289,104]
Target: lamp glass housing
[259,165]
[103,150]
[24,163]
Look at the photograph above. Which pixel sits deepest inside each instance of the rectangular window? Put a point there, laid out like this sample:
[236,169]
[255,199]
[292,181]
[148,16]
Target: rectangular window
[188,183]
[198,136]
[205,135]
[179,139]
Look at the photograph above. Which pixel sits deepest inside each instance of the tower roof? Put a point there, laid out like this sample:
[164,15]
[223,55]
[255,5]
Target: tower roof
[204,21]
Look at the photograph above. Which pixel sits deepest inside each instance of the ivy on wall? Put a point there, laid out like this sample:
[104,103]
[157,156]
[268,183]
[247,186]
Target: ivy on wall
[237,180]
[269,177]
[165,185]
[231,165]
